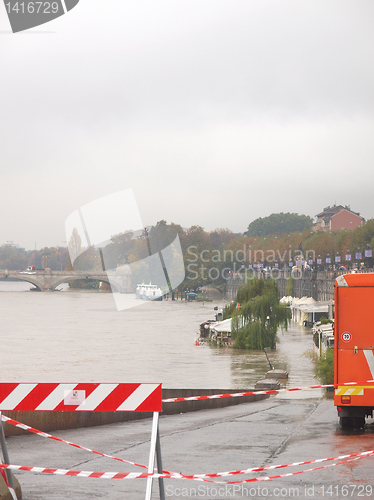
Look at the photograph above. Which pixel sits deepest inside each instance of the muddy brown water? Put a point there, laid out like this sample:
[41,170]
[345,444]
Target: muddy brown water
[80,336]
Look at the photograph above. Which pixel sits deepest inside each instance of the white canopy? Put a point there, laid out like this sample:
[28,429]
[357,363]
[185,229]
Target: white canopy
[221,326]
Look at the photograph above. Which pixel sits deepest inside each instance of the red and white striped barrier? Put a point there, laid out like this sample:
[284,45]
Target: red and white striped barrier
[80,397]
[89,397]
[270,391]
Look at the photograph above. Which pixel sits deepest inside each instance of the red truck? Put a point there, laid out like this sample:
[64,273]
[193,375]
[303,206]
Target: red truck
[354,345]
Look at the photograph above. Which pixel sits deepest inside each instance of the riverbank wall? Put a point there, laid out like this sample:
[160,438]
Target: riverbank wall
[58,420]
[311,283]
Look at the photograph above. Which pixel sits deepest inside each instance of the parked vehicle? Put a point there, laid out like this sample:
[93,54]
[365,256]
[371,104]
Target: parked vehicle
[354,344]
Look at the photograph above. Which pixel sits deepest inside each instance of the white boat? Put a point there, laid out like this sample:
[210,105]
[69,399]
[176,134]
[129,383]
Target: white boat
[148,292]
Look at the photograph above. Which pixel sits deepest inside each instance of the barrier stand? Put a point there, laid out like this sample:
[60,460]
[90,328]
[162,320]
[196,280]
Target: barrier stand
[86,397]
[155,449]
[8,473]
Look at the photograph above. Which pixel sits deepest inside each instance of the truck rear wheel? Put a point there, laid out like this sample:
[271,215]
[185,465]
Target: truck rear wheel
[346,422]
[352,422]
[358,422]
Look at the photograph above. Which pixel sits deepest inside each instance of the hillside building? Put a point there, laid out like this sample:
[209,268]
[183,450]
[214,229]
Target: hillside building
[337,218]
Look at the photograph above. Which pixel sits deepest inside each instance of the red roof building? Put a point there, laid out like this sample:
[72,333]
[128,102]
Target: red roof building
[337,218]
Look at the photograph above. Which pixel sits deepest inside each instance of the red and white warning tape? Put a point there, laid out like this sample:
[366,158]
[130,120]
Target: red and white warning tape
[272,467]
[268,478]
[271,391]
[50,436]
[11,490]
[135,475]
[172,475]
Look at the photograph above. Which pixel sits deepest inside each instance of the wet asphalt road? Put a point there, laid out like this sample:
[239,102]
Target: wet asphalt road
[279,430]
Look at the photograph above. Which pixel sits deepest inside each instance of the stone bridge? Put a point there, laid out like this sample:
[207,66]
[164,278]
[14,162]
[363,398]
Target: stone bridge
[48,281]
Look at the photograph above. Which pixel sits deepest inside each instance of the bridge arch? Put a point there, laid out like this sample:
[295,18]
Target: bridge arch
[66,279]
[27,279]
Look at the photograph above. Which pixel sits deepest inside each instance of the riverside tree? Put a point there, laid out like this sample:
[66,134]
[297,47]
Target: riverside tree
[279,223]
[257,314]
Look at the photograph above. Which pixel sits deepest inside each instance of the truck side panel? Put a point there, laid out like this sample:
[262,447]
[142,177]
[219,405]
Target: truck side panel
[354,339]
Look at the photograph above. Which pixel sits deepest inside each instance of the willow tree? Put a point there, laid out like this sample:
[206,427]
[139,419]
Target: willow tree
[258,315]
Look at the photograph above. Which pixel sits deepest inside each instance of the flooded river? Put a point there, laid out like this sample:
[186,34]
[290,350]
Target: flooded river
[80,336]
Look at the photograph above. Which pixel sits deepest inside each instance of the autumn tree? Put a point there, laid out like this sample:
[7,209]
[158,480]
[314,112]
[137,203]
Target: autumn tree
[279,223]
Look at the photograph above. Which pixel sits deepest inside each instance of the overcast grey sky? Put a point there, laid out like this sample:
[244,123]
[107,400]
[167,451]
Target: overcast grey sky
[215,112]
